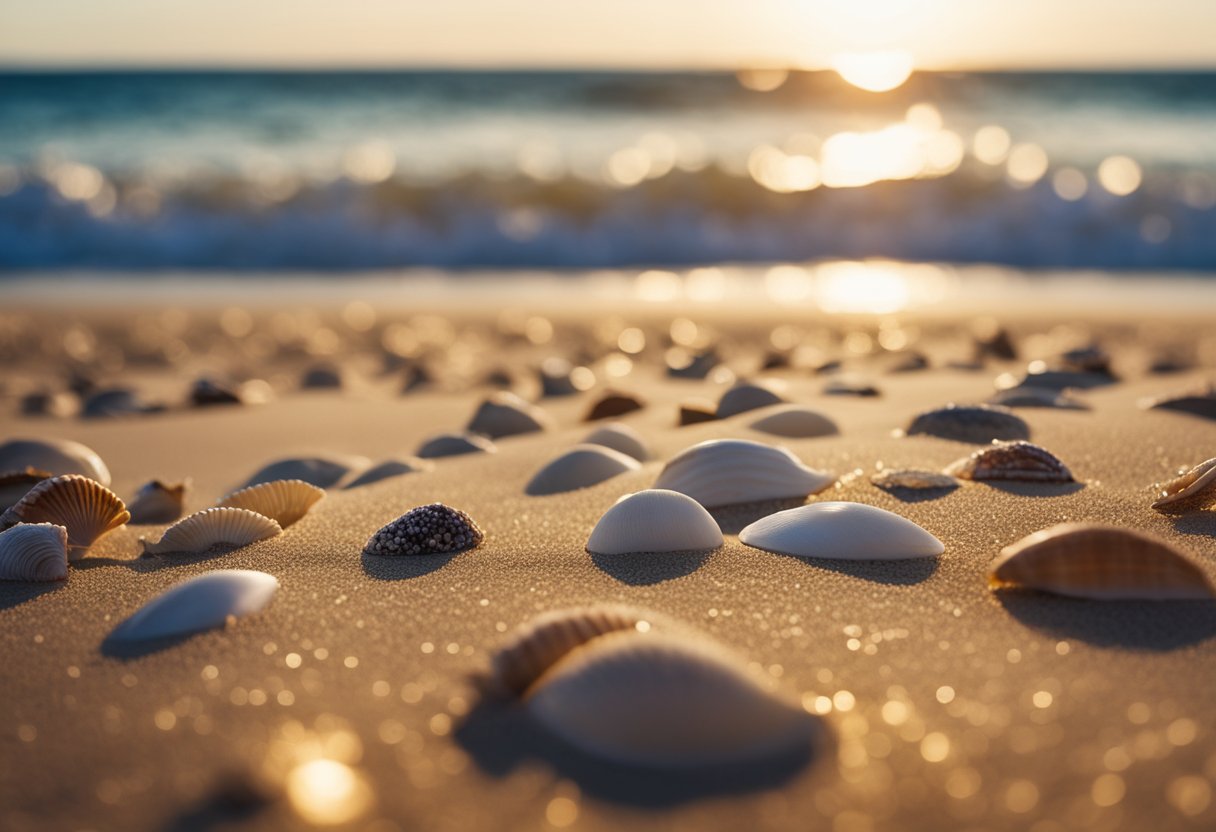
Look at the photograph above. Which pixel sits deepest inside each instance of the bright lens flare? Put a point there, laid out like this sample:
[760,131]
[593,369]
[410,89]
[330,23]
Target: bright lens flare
[327,792]
[879,71]
[857,288]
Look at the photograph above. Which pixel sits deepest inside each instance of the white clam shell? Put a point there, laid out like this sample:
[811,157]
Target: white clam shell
[794,422]
[283,501]
[748,395]
[619,437]
[580,467]
[158,502]
[722,472]
[654,521]
[506,414]
[85,507]
[841,531]
[455,444]
[212,527]
[200,603]
[34,552]
[55,456]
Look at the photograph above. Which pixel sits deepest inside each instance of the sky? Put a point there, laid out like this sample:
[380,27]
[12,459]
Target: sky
[937,34]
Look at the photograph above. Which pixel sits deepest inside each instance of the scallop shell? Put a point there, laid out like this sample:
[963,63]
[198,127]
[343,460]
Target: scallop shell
[613,404]
[34,552]
[654,521]
[1011,461]
[970,423]
[722,472]
[748,395]
[619,437]
[1086,560]
[388,469]
[204,602]
[657,701]
[283,501]
[580,467]
[1200,401]
[455,444]
[58,456]
[16,484]
[1191,491]
[427,530]
[85,507]
[204,530]
[794,421]
[913,478]
[841,531]
[321,471]
[158,502]
[506,414]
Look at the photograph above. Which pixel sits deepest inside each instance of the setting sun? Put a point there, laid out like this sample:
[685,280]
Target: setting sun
[874,71]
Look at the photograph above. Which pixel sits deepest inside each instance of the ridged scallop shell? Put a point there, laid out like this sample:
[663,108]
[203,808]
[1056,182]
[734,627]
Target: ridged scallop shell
[506,414]
[1191,491]
[1200,401]
[321,471]
[57,456]
[455,444]
[426,530]
[387,470]
[1086,560]
[913,478]
[580,467]
[794,422]
[658,701]
[205,530]
[34,552]
[721,472]
[1011,461]
[158,502]
[85,507]
[204,602]
[970,423]
[748,395]
[16,484]
[654,521]
[619,437]
[283,501]
[841,531]
[611,405]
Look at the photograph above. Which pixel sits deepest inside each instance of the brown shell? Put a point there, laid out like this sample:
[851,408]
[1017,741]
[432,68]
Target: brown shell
[613,404]
[913,478]
[158,502]
[1011,461]
[1192,491]
[85,507]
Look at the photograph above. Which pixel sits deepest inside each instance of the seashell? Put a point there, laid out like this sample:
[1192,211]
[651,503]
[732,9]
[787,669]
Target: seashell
[1011,461]
[200,603]
[16,484]
[506,414]
[388,469]
[117,402]
[619,437]
[34,552]
[455,444]
[207,391]
[85,507]
[283,501]
[611,405]
[1043,378]
[682,364]
[695,412]
[321,471]
[580,467]
[794,421]
[211,528]
[415,377]
[841,531]
[748,395]
[57,456]
[557,378]
[970,423]
[850,385]
[906,361]
[1088,560]
[1091,358]
[721,472]
[658,701]
[1199,401]
[1191,491]
[654,521]
[322,376]
[158,502]
[993,340]
[913,478]
[1036,397]
[427,530]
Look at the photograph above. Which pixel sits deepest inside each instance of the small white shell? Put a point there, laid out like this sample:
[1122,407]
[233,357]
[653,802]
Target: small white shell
[913,478]
[85,507]
[56,456]
[283,501]
[200,603]
[34,552]
[158,502]
[654,521]
[506,414]
[841,531]
[721,472]
[1190,491]
[580,467]
[455,444]
[321,471]
[387,470]
[211,527]
[748,395]
[619,437]
[794,421]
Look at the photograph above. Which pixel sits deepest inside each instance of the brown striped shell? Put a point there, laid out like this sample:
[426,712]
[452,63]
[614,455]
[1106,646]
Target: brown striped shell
[1011,461]
[1192,491]
[283,501]
[85,507]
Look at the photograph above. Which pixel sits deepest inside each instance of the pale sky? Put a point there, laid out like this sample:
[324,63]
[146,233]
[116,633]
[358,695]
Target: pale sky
[940,34]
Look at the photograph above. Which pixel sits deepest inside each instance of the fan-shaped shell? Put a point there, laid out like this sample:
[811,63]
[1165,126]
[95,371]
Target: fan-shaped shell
[426,530]
[34,552]
[1190,491]
[1085,560]
[506,414]
[722,472]
[321,471]
[16,484]
[388,469]
[658,701]
[201,603]
[841,531]
[1011,461]
[85,507]
[748,395]
[283,501]
[57,456]
[654,521]
[580,467]
[613,404]
[212,527]
[794,421]
[619,437]
[913,478]
[455,444]
[158,502]
[970,423]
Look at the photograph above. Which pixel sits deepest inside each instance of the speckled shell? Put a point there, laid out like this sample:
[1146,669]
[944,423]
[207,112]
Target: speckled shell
[56,456]
[85,507]
[387,470]
[158,502]
[283,501]
[970,423]
[204,602]
[34,552]
[621,438]
[506,414]
[658,701]
[580,467]
[748,395]
[433,529]
[455,444]
[723,472]
[794,421]
[1099,562]
[913,478]
[16,484]
[654,521]
[212,527]
[1190,491]
[321,471]
[841,531]
[1011,461]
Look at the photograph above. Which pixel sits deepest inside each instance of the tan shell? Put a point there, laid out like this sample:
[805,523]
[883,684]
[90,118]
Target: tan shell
[158,502]
[16,484]
[34,552]
[913,478]
[1192,491]
[1088,560]
[212,527]
[506,414]
[1011,461]
[283,501]
[85,507]
[748,395]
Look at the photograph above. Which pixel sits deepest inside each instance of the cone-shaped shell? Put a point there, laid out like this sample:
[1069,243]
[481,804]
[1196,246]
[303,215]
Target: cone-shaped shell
[747,395]
[723,472]
[506,414]
[283,501]
[580,467]
[200,603]
[841,531]
[621,438]
[158,502]
[426,530]
[1011,461]
[321,471]
[1085,560]
[654,521]
[913,478]
[16,484]
[455,444]
[794,421]
[660,701]
[1191,491]
[387,470]
[34,552]
[981,423]
[55,456]
[85,507]
[204,530]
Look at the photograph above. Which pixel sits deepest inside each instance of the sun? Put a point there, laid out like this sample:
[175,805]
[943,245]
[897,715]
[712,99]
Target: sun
[876,71]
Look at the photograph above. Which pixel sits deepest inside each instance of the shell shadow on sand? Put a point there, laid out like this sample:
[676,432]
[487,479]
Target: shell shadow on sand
[647,569]
[1035,489]
[1154,626]
[890,572]
[404,567]
[15,593]
[113,646]
[733,519]
[1198,523]
[919,495]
